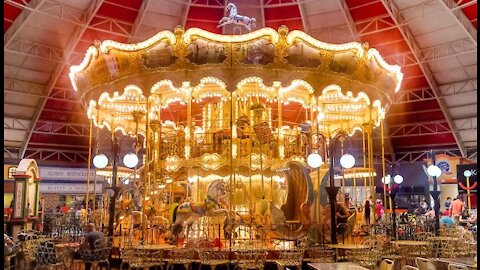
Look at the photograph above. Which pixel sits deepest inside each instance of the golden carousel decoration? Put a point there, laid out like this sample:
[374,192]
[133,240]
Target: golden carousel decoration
[227,121]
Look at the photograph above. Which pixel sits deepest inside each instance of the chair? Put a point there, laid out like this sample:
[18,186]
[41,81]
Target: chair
[408,267]
[453,266]
[366,257]
[141,257]
[46,257]
[386,264]
[424,264]
[293,258]
[183,256]
[99,254]
[251,259]
[320,255]
[213,258]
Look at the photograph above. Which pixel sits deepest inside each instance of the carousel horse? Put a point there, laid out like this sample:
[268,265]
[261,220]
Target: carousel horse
[188,212]
[235,18]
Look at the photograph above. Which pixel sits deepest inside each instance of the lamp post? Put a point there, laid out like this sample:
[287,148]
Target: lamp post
[467,174]
[434,171]
[100,161]
[347,160]
[397,179]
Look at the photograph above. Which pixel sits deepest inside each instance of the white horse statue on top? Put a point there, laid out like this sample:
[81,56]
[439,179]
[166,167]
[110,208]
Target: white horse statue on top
[234,18]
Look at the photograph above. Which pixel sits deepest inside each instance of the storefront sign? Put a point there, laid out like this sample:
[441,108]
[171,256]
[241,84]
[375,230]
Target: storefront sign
[70,188]
[74,174]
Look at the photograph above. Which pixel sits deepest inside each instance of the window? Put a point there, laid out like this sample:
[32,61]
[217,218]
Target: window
[11,171]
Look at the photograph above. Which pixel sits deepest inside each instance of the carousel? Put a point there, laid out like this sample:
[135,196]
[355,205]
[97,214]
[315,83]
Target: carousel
[236,135]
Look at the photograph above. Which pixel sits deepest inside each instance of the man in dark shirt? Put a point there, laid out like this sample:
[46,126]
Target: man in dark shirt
[91,236]
[89,240]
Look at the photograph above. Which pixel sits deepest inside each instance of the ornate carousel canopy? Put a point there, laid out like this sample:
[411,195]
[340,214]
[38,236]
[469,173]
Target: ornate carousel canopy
[350,82]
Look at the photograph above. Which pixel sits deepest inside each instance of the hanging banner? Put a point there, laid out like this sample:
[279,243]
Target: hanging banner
[67,174]
[72,188]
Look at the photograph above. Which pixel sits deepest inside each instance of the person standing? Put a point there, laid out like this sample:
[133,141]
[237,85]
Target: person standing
[456,209]
[448,203]
[379,210]
[367,210]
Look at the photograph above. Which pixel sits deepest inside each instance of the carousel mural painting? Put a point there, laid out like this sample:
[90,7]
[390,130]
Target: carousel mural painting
[227,123]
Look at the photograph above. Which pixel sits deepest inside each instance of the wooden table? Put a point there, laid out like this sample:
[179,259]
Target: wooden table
[336,266]
[73,245]
[464,261]
[69,250]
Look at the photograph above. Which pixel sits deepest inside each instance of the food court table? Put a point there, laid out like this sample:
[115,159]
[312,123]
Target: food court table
[336,266]
[464,261]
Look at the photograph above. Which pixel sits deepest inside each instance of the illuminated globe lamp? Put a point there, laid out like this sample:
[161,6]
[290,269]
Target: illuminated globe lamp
[100,161]
[434,171]
[398,179]
[347,161]
[130,160]
[314,160]
[386,179]
[467,173]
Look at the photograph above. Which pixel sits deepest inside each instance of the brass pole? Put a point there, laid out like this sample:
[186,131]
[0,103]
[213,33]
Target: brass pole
[364,158]
[383,165]
[468,195]
[89,162]
[94,203]
[231,151]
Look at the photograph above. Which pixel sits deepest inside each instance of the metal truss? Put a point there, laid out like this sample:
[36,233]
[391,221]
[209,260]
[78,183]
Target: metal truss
[414,95]
[15,86]
[466,123]
[15,124]
[419,129]
[472,154]
[409,39]
[62,128]
[75,38]
[460,87]
[420,155]
[21,19]
[75,16]
[56,155]
[451,49]
[11,152]
[461,18]
[28,48]
[139,20]
[348,17]
[64,94]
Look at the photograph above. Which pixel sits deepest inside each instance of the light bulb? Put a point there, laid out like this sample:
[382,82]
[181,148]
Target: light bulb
[398,179]
[434,170]
[386,180]
[130,160]
[100,161]
[347,161]
[467,173]
[314,160]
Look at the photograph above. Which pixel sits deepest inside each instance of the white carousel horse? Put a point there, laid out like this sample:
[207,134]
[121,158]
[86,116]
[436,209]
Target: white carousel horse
[188,212]
[235,18]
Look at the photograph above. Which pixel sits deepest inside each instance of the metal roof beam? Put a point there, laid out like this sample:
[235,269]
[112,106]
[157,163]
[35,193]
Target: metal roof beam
[139,20]
[77,35]
[348,18]
[303,16]
[460,87]
[28,48]
[24,87]
[21,20]
[461,19]
[409,39]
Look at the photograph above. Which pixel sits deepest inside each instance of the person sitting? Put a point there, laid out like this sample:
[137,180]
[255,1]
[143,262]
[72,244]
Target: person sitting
[472,220]
[88,242]
[464,218]
[91,236]
[446,221]
[342,214]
